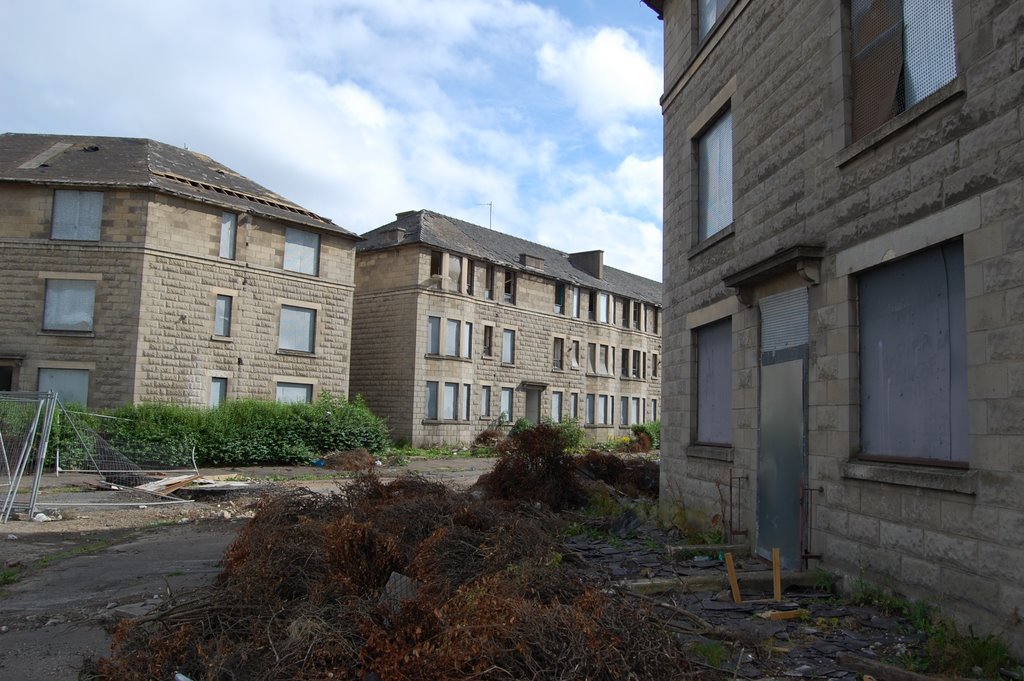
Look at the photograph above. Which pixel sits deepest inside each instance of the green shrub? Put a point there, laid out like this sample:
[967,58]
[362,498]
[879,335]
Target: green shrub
[651,429]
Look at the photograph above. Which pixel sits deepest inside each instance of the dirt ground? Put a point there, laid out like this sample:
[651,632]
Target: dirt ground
[73,577]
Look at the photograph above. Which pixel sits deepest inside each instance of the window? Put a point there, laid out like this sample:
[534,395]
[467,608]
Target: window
[485,401]
[590,409]
[602,367]
[574,405]
[488,341]
[558,354]
[710,11]
[489,283]
[301,251]
[467,340]
[218,391]
[654,365]
[556,406]
[623,411]
[592,358]
[451,338]
[464,407]
[451,401]
[576,302]
[592,305]
[6,378]
[431,410]
[654,410]
[76,215]
[624,316]
[714,160]
[436,263]
[290,393]
[508,347]
[455,273]
[70,385]
[636,364]
[902,51]
[559,299]
[574,355]
[471,278]
[69,305]
[510,287]
[602,409]
[298,328]
[913,342]
[714,383]
[638,313]
[222,316]
[228,230]
[433,335]
[602,308]
[656,314]
[624,363]
[506,404]
[635,415]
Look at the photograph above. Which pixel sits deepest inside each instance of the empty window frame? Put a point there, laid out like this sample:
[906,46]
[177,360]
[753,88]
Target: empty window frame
[455,273]
[488,344]
[508,347]
[433,335]
[654,365]
[489,283]
[624,313]
[574,355]
[913,343]
[76,215]
[901,52]
[602,360]
[559,306]
[301,251]
[592,358]
[222,316]
[574,405]
[430,409]
[590,409]
[436,263]
[507,404]
[218,391]
[452,337]
[623,411]
[451,401]
[592,305]
[467,340]
[297,329]
[714,382]
[709,12]
[624,363]
[714,161]
[558,354]
[70,385]
[228,235]
[654,410]
[510,287]
[291,393]
[636,368]
[69,305]
[471,278]
[656,315]
[638,314]
[485,401]
[556,406]
[464,401]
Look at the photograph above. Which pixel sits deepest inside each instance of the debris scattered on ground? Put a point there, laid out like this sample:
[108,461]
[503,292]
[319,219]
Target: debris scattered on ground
[352,460]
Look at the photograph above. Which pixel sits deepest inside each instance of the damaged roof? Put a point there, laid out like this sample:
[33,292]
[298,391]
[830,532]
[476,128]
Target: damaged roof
[480,243]
[83,161]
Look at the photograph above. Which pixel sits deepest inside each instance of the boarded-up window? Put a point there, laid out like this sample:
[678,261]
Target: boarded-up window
[69,305]
[467,340]
[431,406]
[451,339]
[76,215]
[455,273]
[451,400]
[508,346]
[301,251]
[709,11]
[222,316]
[714,161]
[218,391]
[485,400]
[70,385]
[624,411]
[290,393]
[433,335]
[714,383]
[590,408]
[901,52]
[556,406]
[506,404]
[913,346]
[298,328]
[228,229]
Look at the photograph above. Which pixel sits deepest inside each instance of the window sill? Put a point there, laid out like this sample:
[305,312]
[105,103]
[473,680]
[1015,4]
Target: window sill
[302,274]
[445,422]
[947,92]
[67,333]
[511,365]
[909,475]
[222,339]
[295,353]
[604,426]
[723,453]
[633,379]
[712,240]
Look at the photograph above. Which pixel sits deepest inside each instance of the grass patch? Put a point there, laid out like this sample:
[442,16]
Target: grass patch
[713,652]
[83,550]
[9,575]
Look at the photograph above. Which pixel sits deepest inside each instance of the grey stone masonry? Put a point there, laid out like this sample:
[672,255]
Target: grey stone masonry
[815,207]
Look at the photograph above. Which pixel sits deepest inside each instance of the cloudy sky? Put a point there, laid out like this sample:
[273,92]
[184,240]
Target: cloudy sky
[358,109]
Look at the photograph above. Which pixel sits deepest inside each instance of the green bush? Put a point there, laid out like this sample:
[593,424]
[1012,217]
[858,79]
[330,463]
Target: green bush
[237,433]
[651,429]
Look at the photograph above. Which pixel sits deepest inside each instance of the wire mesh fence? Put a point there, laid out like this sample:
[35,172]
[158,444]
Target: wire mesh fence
[25,422]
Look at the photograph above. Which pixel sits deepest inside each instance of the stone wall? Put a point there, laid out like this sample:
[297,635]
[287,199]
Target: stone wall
[949,168]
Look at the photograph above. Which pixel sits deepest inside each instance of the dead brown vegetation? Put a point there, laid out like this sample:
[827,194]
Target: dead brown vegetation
[633,476]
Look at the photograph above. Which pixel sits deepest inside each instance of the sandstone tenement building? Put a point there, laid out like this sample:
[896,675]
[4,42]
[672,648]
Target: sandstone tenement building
[458,326]
[844,286]
[133,270]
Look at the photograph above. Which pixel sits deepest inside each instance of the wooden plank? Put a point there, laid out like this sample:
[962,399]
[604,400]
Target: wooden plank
[733,581]
[878,669]
[774,615]
[777,574]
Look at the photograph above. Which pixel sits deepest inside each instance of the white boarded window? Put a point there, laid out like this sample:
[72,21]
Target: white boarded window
[218,391]
[467,340]
[69,305]
[228,230]
[485,400]
[433,335]
[292,393]
[508,346]
[576,302]
[431,409]
[624,411]
[603,304]
[636,415]
[602,409]
[298,328]
[590,408]
[506,403]
[714,160]
[556,406]
[76,215]
[301,251]
[451,338]
[71,385]
[451,401]
[222,316]
[455,272]
[913,364]
[714,382]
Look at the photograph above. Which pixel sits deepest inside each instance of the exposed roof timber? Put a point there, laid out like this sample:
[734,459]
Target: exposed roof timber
[657,5]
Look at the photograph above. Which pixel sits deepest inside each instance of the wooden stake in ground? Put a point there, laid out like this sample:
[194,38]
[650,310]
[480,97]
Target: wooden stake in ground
[734,583]
[777,574]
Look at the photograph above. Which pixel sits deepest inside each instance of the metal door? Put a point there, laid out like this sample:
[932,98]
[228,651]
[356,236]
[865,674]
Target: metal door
[782,454]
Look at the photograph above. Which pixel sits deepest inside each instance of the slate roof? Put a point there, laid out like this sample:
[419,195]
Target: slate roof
[479,243]
[84,161]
